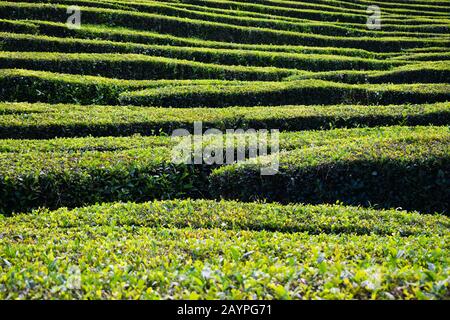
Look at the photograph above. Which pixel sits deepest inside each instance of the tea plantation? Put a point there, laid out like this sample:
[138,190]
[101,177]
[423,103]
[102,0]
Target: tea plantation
[93,206]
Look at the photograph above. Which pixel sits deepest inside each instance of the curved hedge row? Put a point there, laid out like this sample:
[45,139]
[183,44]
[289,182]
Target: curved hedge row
[428,56]
[134,66]
[18,26]
[232,215]
[212,263]
[401,172]
[283,60]
[286,65]
[425,72]
[227,17]
[330,5]
[35,86]
[305,10]
[38,86]
[289,92]
[30,180]
[130,37]
[42,121]
[304,24]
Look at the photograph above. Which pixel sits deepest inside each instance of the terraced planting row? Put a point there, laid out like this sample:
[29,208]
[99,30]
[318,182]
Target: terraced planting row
[94,205]
[48,87]
[229,250]
[211,30]
[361,167]
[44,121]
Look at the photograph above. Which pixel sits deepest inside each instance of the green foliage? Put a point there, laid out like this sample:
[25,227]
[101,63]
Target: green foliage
[133,66]
[74,172]
[288,92]
[40,121]
[135,39]
[29,180]
[405,171]
[424,72]
[33,86]
[99,104]
[232,215]
[187,27]
[283,60]
[17,26]
[425,56]
[129,251]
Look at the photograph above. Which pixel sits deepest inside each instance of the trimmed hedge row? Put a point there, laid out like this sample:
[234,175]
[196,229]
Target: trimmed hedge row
[288,92]
[413,174]
[332,5]
[302,10]
[75,172]
[287,140]
[395,9]
[395,15]
[120,34]
[437,28]
[18,26]
[89,3]
[222,16]
[212,263]
[344,76]
[424,50]
[36,86]
[228,15]
[39,121]
[427,56]
[311,62]
[134,66]
[209,30]
[318,13]
[268,21]
[30,180]
[279,12]
[434,3]
[356,6]
[431,5]
[264,8]
[130,36]
[232,215]
[426,72]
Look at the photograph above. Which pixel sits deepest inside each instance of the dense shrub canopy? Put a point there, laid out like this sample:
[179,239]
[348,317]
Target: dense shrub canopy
[92,205]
